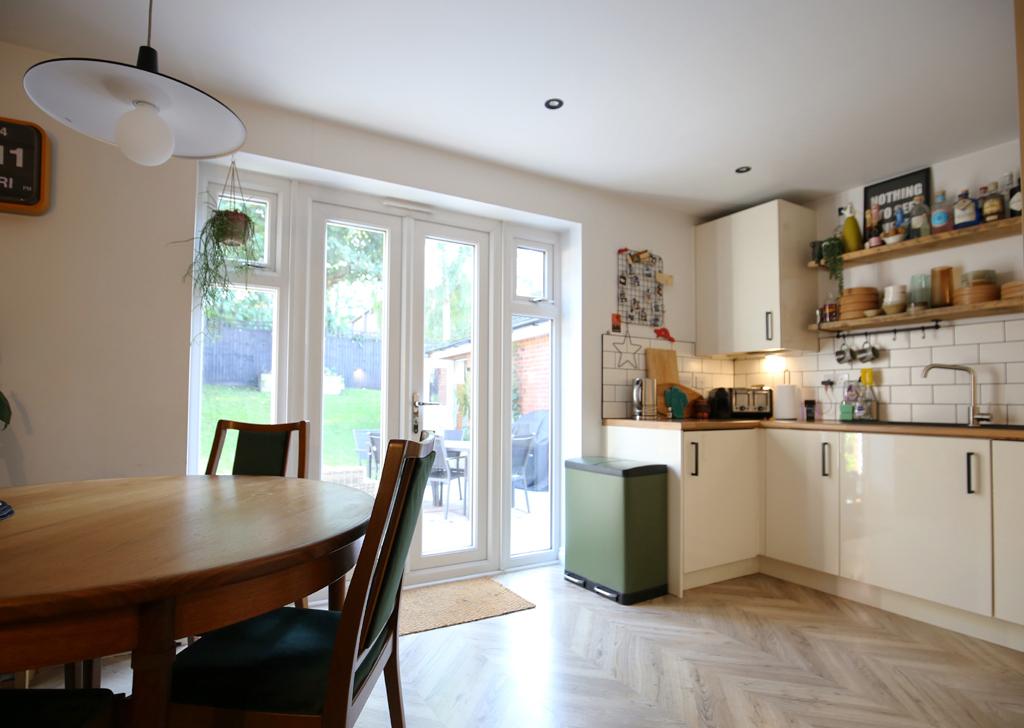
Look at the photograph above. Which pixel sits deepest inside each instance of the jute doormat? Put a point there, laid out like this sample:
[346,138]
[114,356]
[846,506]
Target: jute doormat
[457,602]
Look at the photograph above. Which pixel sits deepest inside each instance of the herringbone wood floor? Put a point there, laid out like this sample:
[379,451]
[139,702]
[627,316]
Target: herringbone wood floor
[754,651]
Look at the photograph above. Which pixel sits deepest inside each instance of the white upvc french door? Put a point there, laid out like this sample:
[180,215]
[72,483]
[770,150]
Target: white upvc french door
[449,377]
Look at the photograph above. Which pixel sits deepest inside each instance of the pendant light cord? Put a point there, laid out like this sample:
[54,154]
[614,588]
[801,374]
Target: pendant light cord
[149,26]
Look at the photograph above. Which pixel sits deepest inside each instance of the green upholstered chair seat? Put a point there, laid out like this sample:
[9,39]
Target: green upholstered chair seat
[275,663]
[56,708]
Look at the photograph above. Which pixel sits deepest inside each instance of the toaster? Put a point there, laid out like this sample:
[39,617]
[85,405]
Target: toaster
[740,403]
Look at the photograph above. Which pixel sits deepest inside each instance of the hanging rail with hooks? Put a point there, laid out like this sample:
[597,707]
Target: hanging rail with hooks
[934,325]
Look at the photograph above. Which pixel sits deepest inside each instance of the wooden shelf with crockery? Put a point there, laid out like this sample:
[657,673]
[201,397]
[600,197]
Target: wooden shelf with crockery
[948,239]
[945,313]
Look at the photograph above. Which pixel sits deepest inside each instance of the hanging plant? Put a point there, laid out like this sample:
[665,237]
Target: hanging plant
[226,245]
[5,411]
[832,257]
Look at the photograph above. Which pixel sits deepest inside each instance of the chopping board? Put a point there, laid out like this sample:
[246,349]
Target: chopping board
[663,367]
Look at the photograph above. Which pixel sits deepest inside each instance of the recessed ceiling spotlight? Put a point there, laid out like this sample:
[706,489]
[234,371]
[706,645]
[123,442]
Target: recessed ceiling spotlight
[554,104]
[742,170]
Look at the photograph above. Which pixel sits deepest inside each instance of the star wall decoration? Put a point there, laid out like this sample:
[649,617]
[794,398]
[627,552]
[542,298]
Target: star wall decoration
[627,353]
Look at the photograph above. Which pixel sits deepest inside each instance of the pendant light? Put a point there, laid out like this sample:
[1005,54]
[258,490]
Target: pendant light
[149,116]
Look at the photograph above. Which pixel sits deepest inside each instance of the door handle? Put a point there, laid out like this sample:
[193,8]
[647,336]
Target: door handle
[423,404]
[769,325]
[970,474]
[826,453]
[696,459]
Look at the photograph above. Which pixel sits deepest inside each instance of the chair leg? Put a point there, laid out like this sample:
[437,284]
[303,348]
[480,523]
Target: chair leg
[447,498]
[92,673]
[393,683]
[23,679]
[71,675]
[336,595]
[526,495]
[302,603]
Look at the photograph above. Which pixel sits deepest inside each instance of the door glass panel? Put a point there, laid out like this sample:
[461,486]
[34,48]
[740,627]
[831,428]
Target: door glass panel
[449,510]
[531,445]
[353,366]
[239,369]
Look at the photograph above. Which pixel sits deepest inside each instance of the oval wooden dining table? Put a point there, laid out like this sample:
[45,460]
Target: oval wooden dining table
[100,567]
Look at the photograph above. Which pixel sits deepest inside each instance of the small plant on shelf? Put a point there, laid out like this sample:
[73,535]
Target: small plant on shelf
[832,259]
[226,245]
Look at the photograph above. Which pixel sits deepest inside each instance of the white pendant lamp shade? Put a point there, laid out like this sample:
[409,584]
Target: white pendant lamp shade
[144,137]
[150,116]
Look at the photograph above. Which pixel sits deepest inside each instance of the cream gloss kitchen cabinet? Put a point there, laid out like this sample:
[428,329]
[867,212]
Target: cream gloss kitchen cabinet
[916,516]
[802,498]
[754,291]
[1008,529]
[722,494]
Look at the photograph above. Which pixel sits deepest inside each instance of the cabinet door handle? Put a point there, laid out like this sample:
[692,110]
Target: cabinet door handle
[826,456]
[696,459]
[769,325]
[970,474]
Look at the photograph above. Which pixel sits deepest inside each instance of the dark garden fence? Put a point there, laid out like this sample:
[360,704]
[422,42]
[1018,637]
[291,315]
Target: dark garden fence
[237,356]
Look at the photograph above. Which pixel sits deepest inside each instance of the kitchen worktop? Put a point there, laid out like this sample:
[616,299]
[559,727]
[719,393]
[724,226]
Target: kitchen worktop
[991,432]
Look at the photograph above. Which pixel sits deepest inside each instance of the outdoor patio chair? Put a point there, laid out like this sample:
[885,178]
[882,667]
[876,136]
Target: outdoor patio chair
[446,469]
[363,454]
[521,447]
[293,667]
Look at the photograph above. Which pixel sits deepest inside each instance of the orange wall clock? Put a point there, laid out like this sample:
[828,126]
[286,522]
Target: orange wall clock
[24,167]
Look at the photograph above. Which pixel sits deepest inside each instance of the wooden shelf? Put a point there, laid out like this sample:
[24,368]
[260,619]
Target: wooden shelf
[950,239]
[946,313]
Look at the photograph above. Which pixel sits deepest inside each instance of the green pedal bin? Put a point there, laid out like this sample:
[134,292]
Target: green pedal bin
[616,527]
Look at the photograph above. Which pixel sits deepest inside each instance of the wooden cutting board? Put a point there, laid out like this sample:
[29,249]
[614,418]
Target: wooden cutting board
[663,367]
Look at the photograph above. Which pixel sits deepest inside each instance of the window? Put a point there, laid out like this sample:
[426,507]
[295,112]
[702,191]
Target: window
[532,275]
[259,211]
[239,380]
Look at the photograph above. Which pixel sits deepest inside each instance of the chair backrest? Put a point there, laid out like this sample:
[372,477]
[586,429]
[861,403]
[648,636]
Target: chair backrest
[520,451]
[362,438]
[261,449]
[370,616]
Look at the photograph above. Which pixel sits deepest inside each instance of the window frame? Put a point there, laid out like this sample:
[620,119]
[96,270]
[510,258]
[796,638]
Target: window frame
[526,239]
[275,275]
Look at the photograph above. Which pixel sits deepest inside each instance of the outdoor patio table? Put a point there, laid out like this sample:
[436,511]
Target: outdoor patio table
[100,567]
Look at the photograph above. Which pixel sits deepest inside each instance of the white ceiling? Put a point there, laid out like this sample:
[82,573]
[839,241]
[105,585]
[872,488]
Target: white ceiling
[663,98]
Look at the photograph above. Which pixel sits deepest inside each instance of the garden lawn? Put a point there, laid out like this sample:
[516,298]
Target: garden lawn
[353,409]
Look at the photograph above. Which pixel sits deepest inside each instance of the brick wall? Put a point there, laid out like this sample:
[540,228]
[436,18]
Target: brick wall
[532,361]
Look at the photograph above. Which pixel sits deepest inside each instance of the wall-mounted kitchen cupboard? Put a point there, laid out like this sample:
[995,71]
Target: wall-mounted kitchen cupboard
[1008,529]
[802,498]
[754,291]
[916,516]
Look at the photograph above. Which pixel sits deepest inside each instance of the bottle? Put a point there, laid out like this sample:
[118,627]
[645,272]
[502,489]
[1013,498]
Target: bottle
[865,407]
[920,216]
[942,214]
[852,240]
[1015,200]
[993,205]
[965,212]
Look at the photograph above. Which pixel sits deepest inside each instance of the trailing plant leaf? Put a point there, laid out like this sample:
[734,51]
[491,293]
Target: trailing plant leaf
[5,411]
[832,257]
[227,245]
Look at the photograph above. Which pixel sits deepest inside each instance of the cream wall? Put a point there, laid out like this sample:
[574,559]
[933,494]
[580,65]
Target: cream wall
[94,332]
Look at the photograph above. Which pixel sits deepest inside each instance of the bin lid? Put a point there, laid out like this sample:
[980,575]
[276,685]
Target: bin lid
[615,466]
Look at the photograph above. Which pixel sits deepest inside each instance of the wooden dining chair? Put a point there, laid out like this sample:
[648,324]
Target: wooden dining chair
[261,449]
[307,667]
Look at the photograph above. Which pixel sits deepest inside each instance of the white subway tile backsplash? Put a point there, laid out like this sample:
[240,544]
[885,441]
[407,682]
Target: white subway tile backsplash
[608,393]
[910,357]
[1015,330]
[1007,352]
[984,373]
[911,395]
[1015,372]
[894,376]
[686,348]
[1015,414]
[691,364]
[895,412]
[1002,393]
[944,413]
[951,394]
[933,337]
[980,333]
[967,354]
[616,376]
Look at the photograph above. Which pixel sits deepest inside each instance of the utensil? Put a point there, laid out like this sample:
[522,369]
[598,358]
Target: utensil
[942,286]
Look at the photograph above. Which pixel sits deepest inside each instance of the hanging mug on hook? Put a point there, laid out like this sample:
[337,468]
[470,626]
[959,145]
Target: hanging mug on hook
[867,351]
[844,355]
